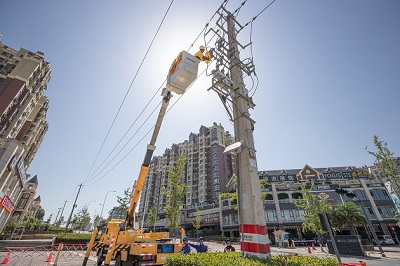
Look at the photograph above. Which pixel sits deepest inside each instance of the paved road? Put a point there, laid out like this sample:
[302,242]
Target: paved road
[75,258]
[375,258]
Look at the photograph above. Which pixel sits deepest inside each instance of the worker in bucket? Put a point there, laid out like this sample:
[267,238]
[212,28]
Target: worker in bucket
[203,57]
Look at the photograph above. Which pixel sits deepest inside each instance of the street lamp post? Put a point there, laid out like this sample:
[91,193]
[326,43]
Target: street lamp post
[87,205]
[354,198]
[371,227]
[104,202]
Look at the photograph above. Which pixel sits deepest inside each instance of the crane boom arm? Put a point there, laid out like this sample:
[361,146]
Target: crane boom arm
[144,169]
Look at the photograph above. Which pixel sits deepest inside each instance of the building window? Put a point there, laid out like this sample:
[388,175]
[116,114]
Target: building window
[370,213]
[379,194]
[299,215]
[287,215]
[361,194]
[235,218]
[387,211]
[271,216]
[225,220]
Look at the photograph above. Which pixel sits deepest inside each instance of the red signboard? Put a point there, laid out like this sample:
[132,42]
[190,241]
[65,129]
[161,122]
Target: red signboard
[7,204]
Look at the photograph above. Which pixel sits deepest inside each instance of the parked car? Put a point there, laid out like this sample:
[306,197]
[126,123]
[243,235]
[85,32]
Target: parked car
[384,240]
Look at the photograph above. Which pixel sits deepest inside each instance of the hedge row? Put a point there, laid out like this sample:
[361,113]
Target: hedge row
[74,238]
[234,258]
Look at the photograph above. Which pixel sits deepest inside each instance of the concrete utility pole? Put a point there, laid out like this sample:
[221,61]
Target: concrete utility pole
[73,207]
[253,229]
[59,209]
[62,211]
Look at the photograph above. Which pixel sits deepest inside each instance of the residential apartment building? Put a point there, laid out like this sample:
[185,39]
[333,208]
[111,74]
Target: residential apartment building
[207,172]
[24,76]
[285,187]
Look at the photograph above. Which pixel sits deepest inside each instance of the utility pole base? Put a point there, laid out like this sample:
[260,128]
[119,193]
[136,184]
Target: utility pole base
[254,240]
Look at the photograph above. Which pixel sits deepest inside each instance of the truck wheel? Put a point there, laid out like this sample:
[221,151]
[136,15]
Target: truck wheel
[100,257]
[118,261]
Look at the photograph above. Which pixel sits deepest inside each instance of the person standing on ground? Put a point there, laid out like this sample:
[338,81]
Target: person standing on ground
[201,247]
[185,248]
[229,247]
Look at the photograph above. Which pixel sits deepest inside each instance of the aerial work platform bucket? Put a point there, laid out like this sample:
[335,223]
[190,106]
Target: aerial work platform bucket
[182,73]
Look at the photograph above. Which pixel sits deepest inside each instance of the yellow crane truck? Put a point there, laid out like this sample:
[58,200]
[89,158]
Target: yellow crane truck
[120,240]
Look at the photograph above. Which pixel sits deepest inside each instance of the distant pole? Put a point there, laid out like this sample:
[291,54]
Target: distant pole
[59,209]
[65,202]
[73,207]
[104,202]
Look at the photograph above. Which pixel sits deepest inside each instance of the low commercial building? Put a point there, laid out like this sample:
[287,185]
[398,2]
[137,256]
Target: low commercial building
[285,187]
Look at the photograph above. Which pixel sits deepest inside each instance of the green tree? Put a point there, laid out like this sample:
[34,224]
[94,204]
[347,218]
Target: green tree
[13,222]
[40,213]
[233,195]
[30,222]
[59,222]
[197,223]
[312,204]
[96,220]
[174,192]
[124,203]
[81,219]
[346,214]
[152,216]
[386,163]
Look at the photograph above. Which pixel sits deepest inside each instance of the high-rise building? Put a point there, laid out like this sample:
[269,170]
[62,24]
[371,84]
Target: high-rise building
[23,79]
[207,172]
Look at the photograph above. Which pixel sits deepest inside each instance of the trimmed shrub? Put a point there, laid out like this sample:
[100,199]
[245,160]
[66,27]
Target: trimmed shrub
[74,238]
[234,258]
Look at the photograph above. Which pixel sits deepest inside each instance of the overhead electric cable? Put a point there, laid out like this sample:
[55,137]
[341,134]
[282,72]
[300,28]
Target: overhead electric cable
[156,108]
[130,86]
[146,133]
[134,122]
[225,2]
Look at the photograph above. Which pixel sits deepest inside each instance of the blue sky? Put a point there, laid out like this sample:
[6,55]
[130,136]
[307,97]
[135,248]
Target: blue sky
[329,78]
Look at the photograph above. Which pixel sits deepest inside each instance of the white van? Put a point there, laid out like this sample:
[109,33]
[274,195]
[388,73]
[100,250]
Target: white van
[385,240]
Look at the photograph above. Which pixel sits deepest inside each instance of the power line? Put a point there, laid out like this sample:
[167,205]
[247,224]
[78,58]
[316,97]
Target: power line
[130,86]
[91,174]
[109,154]
[145,134]
[156,108]
[92,178]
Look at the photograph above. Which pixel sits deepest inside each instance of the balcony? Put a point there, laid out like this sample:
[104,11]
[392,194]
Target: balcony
[280,201]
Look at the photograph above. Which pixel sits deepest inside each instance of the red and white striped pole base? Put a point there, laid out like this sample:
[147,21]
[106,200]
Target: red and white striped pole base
[254,240]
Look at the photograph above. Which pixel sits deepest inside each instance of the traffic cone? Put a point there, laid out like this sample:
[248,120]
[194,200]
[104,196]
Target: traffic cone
[49,258]
[308,249]
[6,259]
[313,246]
